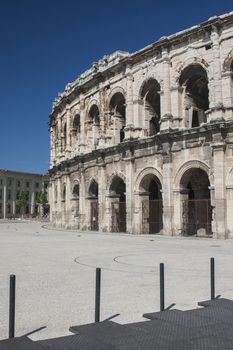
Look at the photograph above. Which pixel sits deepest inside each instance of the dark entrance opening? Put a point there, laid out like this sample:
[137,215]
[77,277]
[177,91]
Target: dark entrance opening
[152,207]
[196,206]
[94,214]
[117,193]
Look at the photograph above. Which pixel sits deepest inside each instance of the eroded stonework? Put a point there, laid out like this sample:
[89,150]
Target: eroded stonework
[143,142]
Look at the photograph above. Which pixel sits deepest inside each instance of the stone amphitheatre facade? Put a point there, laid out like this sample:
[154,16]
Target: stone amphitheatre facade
[143,142]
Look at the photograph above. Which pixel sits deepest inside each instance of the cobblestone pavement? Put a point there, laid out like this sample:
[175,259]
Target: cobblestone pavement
[55,275]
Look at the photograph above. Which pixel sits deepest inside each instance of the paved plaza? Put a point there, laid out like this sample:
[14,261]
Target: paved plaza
[55,272]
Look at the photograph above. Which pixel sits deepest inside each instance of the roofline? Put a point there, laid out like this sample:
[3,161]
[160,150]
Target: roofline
[164,41]
[6,171]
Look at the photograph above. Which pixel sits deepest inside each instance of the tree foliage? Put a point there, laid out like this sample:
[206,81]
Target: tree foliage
[41,198]
[22,200]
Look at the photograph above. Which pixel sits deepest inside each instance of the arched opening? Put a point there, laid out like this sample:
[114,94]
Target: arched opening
[151,100]
[76,199]
[64,192]
[76,130]
[196,205]
[152,205]
[117,109]
[94,206]
[117,193]
[194,82]
[94,119]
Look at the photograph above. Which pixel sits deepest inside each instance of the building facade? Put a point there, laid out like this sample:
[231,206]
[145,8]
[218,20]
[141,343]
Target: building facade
[143,142]
[12,183]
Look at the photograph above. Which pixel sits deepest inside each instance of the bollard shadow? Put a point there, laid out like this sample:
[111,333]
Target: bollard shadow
[34,331]
[111,317]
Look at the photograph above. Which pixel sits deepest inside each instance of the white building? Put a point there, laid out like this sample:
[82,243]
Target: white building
[14,182]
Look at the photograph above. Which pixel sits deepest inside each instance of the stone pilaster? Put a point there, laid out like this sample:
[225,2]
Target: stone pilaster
[82,126]
[68,133]
[129,170]
[101,193]
[176,106]
[129,127]
[59,137]
[216,104]
[219,197]
[166,116]
[167,195]
[83,203]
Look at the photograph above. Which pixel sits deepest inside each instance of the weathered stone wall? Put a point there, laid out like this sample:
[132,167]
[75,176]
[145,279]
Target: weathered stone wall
[159,117]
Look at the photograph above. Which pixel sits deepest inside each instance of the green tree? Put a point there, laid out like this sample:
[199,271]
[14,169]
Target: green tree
[42,199]
[22,200]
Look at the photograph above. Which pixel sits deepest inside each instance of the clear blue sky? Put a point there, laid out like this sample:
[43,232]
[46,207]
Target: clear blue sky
[47,43]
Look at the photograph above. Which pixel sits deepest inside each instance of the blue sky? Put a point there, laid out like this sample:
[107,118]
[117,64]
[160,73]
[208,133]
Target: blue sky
[47,43]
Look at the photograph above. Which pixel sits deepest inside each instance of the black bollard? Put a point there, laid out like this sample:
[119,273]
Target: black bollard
[161,268]
[212,279]
[12,307]
[97,294]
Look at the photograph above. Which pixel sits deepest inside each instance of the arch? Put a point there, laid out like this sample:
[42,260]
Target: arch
[92,103]
[64,191]
[76,122]
[228,62]
[117,106]
[150,97]
[117,194]
[114,174]
[93,189]
[144,78]
[196,202]
[143,173]
[229,177]
[152,205]
[76,190]
[94,114]
[192,164]
[189,62]
[117,89]
[118,188]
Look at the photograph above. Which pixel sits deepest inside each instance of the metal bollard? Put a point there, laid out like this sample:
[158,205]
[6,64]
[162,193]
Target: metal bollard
[97,294]
[212,278]
[12,307]
[161,268]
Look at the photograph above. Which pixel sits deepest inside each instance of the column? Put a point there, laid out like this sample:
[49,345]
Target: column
[68,204]
[167,195]
[59,203]
[166,117]
[52,146]
[83,209]
[82,125]
[129,170]
[176,106]
[129,128]
[32,201]
[13,198]
[216,103]
[68,132]
[4,197]
[59,137]
[219,200]
[227,88]
[101,194]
